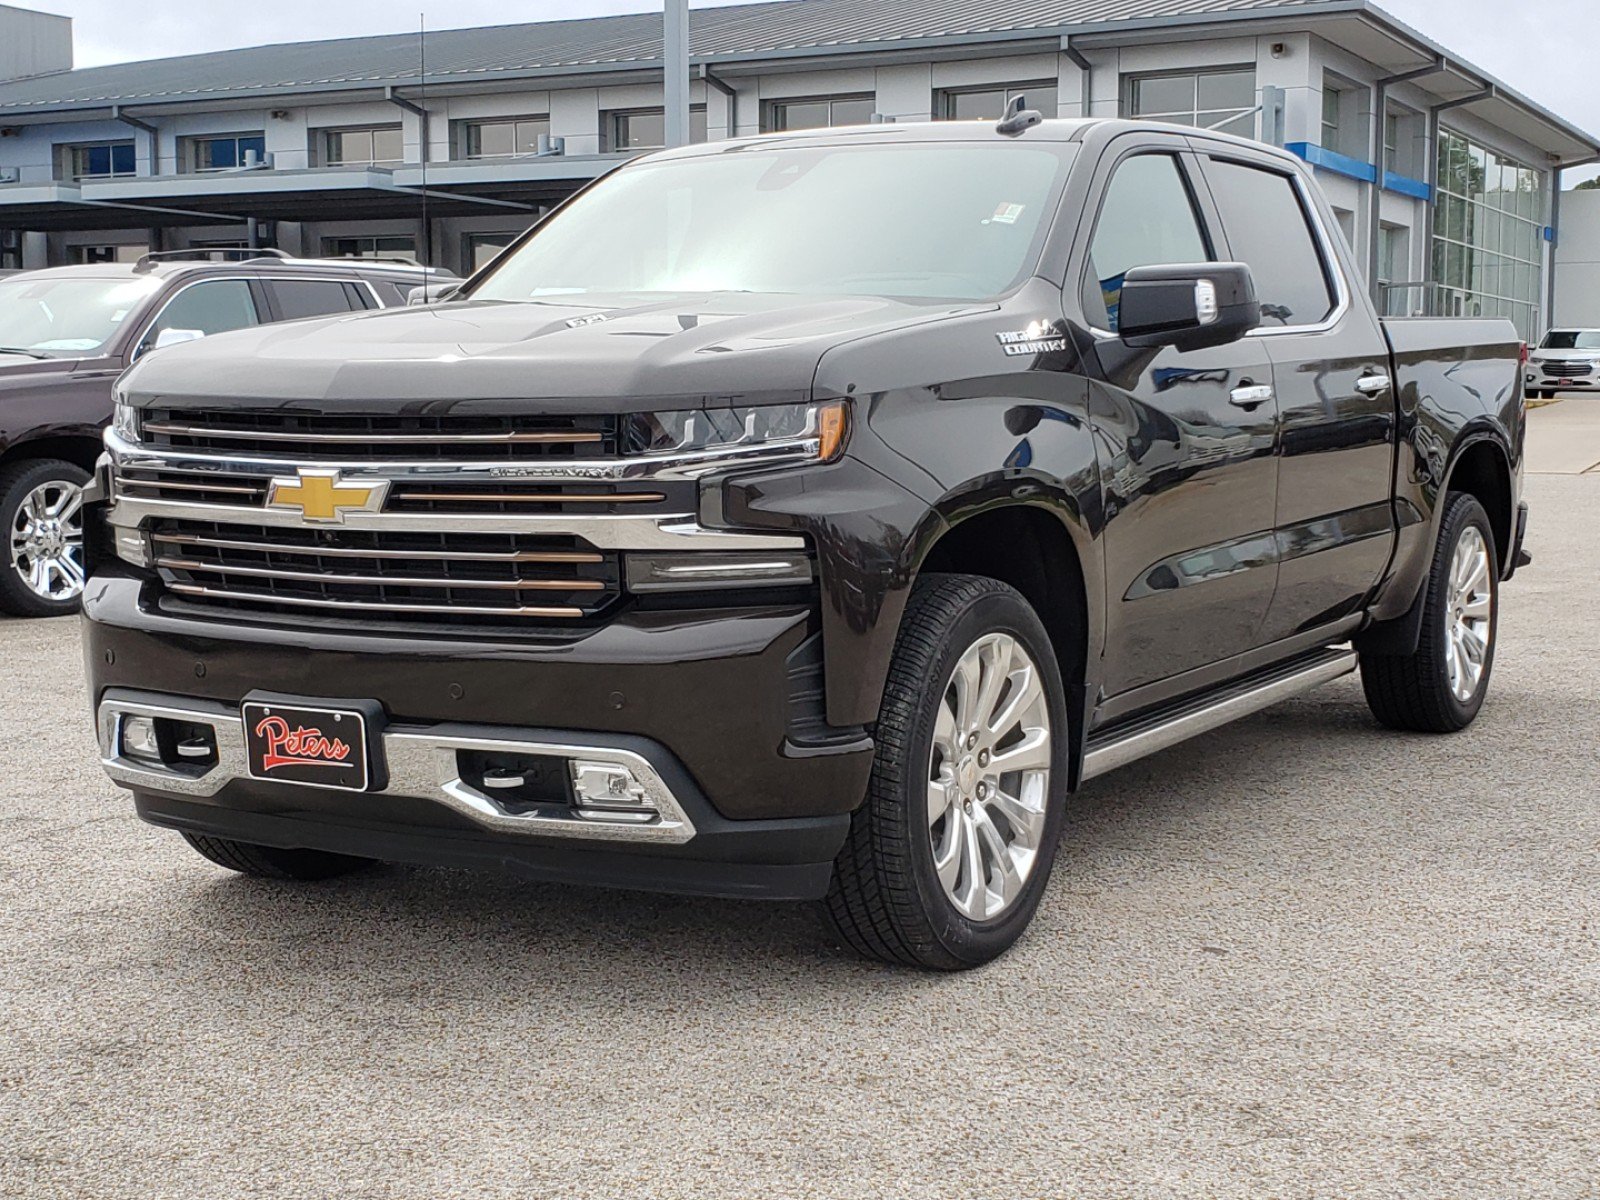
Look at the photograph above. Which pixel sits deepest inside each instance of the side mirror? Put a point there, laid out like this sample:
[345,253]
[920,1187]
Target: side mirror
[176,337]
[432,293]
[1187,307]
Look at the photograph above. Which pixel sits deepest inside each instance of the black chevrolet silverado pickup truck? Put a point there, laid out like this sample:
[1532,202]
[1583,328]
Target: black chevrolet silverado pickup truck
[800,517]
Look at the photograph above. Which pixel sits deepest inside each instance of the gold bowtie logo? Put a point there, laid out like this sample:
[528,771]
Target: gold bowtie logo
[327,495]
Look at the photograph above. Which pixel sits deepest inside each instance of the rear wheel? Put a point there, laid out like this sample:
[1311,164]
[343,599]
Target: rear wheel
[947,859]
[41,505]
[1441,687]
[273,862]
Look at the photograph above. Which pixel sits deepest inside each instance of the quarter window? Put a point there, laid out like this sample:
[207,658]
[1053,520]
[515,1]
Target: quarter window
[1220,100]
[1270,232]
[1147,219]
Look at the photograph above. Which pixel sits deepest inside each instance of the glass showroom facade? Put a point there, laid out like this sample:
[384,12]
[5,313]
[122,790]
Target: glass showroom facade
[1488,241]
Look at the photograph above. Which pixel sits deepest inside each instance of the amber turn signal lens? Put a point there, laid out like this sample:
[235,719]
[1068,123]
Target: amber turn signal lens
[833,423]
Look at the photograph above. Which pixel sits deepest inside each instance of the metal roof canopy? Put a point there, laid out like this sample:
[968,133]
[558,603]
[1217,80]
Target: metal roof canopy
[327,194]
[796,33]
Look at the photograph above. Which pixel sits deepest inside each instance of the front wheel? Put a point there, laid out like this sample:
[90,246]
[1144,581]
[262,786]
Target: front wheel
[1441,686]
[41,503]
[949,856]
[273,862]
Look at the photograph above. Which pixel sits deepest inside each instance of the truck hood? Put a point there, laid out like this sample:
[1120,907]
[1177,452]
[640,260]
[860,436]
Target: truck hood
[685,351]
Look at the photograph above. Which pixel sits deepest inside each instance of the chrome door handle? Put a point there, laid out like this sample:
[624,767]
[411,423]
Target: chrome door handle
[1372,385]
[1250,395]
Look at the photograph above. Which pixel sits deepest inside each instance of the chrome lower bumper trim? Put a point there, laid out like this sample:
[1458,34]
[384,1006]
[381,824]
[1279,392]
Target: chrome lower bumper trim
[421,763]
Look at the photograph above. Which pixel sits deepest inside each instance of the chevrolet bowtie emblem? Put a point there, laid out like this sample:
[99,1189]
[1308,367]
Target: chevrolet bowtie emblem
[325,496]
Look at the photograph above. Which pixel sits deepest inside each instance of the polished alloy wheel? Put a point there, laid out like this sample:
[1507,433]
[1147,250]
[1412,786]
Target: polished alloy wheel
[1469,625]
[47,541]
[989,778]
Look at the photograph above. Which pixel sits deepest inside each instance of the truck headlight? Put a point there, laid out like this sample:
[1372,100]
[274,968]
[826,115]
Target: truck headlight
[813,431]
[125,420]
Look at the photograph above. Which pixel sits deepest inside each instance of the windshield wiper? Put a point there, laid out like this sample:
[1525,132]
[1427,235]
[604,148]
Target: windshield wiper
[20,350]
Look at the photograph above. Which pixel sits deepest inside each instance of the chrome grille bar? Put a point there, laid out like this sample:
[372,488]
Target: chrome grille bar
[436,581]
[224,434]
[275,600]
[320,551]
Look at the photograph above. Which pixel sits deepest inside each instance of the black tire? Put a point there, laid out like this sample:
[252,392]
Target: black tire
[272,862]
[18,480]
[886,900]
[1413,692]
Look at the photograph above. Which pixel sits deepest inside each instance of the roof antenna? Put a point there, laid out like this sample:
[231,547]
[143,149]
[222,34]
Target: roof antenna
[1019,118]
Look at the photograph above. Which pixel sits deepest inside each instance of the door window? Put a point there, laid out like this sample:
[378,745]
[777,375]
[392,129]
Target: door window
[296,299]
[1269,231]
[1148,219]
[215,306]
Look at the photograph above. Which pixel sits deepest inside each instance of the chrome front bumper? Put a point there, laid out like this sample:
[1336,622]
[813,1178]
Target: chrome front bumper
[422,763]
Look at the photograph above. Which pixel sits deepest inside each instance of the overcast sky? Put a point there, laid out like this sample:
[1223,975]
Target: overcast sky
[1543,48]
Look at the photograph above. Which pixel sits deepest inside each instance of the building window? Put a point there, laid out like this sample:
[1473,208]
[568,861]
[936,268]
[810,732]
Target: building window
[1332,99]
[102,160]
[989,104]
[1488,235]
[369,247]
[645,128]
[503,139]
[481,249]
[106,254]
[378,146]
[821,113]
[1401,143]
[225,153]
[1220,100]
[1394,267]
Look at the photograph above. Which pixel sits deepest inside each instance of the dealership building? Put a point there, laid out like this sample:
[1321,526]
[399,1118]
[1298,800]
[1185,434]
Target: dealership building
[1444,179]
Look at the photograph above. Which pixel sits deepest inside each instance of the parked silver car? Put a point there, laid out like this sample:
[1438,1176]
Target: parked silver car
[1567,360]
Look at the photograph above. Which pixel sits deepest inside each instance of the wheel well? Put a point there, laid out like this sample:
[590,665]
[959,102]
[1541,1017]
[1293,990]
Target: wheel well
[80,451]
[1481,471]
[1032,551]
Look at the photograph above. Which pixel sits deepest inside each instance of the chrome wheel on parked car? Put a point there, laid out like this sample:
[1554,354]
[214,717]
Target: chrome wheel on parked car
[47,541]
[1470,628]
[989,777]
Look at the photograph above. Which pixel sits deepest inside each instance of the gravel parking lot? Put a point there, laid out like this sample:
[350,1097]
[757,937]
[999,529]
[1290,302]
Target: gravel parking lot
[1301,957]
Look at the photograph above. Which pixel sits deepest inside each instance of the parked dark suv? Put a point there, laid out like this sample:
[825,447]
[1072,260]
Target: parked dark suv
[68,332]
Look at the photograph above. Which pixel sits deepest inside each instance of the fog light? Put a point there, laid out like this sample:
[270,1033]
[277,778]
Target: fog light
[139,739]
[610,788]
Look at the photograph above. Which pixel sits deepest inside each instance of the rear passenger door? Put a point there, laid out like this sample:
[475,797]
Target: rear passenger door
[299,299]
[1335,520]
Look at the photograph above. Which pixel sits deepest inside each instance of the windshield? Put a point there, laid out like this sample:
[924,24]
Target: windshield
[65,317]
[958,221]
[1571,339]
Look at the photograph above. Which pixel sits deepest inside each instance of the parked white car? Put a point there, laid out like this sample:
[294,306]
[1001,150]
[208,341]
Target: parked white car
[1567,359]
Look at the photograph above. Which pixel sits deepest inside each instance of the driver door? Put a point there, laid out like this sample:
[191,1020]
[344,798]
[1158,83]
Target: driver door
[1186,442]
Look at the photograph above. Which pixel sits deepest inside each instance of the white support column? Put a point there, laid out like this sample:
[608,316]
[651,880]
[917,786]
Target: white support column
[675,64]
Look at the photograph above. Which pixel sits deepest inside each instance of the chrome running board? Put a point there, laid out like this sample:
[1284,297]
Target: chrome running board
[1147,735]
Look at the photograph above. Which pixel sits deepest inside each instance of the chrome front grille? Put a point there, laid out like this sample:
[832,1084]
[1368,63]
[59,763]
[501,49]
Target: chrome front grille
[524,523]
[396,574]
[309,437]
